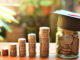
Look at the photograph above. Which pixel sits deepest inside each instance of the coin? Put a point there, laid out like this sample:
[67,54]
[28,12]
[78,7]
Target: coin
[68,39]
[75,45]
[62,44]
[67,50]
[68,32]
[65,53]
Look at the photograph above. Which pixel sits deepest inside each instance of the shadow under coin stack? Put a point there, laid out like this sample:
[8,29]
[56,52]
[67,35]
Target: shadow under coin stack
[13,50]
[32,44]
[44,41]
[22,47]
[4,52]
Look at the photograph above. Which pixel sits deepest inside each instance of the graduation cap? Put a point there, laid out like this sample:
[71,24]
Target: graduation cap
[68,20]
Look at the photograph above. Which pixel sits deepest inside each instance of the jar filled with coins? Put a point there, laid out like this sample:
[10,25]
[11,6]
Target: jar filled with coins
[67,43]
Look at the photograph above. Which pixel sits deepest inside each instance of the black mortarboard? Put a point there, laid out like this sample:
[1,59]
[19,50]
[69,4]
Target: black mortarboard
[68,20]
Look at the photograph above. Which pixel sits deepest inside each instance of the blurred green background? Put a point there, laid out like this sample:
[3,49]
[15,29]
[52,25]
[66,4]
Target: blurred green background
[20,17]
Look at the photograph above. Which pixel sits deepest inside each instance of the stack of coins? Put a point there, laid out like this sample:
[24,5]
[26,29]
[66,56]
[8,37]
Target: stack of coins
[44,41]
[68,43]
[32,44]
[4,52]
[13,50]
[22,47]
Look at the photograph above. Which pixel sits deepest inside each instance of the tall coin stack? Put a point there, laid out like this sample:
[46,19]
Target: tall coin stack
[22,47]
[13,50]
[32,44]
[44,41]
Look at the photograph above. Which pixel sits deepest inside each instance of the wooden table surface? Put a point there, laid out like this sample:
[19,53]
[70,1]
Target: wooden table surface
[52,52]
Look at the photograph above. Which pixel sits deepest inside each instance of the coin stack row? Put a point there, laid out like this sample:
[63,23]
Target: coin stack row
[44,44]
[22,47]
[32,44]
[12,49]
[68,43]
[44,41]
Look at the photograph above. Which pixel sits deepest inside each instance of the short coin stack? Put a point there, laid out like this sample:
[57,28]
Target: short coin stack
[22,47]
[4,52]
[13,50]
[44,41]
[32,44]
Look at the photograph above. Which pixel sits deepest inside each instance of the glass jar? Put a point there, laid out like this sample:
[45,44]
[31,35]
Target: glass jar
[67,43]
